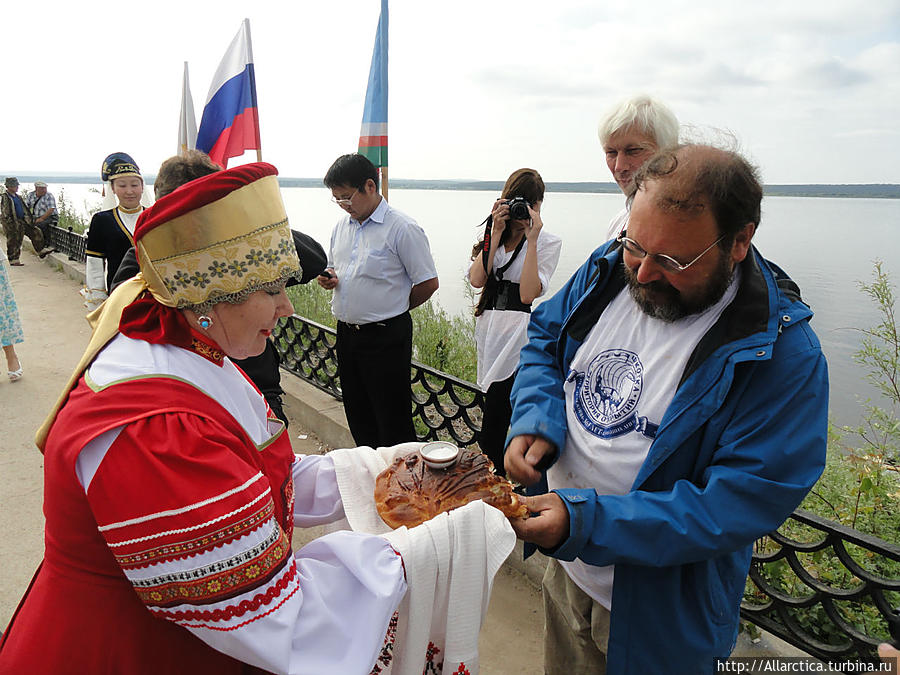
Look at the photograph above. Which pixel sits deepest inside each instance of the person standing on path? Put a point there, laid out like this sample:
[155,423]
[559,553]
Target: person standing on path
[111,232]
[379,267]
[512,264]
[679,396]
[16,220]
[10,325]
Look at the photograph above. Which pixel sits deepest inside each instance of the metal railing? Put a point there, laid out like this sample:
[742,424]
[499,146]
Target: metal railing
[784,595]
[834,617]
[68,242]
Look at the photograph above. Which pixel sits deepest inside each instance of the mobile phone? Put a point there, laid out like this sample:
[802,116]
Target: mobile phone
[327,274]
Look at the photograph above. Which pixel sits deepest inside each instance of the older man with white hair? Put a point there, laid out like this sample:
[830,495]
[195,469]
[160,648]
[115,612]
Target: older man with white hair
[630,133]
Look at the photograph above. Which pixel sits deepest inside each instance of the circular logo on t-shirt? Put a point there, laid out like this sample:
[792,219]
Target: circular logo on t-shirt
[607,394]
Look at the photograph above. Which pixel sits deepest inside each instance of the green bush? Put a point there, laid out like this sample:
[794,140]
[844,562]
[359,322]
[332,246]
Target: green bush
[860,488]
[439,340]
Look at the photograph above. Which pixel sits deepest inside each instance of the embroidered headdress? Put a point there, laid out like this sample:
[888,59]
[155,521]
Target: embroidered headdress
[118,165]
[217,239]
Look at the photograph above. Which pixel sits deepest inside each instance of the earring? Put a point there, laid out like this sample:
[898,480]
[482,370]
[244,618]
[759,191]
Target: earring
[204,321]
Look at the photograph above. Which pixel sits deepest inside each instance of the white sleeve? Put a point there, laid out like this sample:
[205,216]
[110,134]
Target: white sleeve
[549,248]
[94,274]
[317,500]
[332,618]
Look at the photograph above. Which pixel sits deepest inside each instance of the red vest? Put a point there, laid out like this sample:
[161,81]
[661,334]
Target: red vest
[81,614]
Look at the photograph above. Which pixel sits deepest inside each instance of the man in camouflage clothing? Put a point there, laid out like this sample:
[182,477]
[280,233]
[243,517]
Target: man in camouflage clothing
[17,222]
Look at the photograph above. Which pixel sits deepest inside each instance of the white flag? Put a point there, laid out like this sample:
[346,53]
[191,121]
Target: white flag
[187,125]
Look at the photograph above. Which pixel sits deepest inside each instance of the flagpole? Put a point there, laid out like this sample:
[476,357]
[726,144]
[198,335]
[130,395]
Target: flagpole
[373,133]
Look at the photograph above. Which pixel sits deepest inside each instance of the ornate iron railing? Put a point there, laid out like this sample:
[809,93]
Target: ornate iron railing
[445,407]
[68,242]
[786,592]
[835,605]
[827,589]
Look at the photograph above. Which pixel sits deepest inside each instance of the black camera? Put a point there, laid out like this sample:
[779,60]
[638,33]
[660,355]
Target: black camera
[518,208]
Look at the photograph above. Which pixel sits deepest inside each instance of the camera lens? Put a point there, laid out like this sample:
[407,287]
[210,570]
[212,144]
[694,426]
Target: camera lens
[518,209]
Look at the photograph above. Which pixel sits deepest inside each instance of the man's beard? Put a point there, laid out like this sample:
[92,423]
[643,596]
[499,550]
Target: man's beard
[663,301]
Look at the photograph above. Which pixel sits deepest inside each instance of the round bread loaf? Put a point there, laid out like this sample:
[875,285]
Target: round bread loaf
[409,492]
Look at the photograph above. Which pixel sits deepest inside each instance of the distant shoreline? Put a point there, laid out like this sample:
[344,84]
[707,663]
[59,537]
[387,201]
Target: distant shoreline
[861,191]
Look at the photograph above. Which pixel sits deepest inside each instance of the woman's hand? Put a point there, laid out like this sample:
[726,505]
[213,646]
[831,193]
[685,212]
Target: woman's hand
[499,218]
[533,231]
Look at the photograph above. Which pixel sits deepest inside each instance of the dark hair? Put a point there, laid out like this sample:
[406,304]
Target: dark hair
[525,183]
[695,177]
[181,169]
[352,171]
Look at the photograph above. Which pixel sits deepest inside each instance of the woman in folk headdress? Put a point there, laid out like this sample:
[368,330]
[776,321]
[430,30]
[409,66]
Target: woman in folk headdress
[111,232]
[170,486]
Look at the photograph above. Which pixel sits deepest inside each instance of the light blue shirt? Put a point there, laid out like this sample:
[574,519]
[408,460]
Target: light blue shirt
[377,263]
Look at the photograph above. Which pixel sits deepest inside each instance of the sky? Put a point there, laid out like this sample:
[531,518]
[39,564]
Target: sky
[810,89]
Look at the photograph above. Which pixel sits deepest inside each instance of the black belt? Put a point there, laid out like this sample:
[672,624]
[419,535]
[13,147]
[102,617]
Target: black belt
[386,323]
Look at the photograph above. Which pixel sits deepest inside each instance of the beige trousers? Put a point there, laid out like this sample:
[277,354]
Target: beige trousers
[576,627]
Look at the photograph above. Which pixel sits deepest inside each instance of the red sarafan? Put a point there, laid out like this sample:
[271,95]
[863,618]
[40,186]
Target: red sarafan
[408,492]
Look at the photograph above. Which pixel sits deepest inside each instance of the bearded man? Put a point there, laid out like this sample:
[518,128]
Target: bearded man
[679,397]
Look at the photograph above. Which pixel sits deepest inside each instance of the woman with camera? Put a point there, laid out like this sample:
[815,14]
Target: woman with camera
[512,264]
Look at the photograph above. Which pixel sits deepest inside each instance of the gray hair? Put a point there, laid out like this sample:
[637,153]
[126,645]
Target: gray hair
[647,114]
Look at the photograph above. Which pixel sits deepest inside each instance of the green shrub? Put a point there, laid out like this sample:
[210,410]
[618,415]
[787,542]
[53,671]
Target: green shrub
[860,488]
[439,340]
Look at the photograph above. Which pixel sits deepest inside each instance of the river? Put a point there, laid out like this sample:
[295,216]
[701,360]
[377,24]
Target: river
[826,245]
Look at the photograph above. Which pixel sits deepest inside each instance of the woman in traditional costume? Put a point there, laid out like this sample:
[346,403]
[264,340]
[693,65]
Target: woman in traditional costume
[512,264]
[111,232]
[171,490]
[10,325]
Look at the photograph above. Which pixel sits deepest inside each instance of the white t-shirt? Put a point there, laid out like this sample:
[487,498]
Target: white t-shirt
[619,385]
[618,223]
[501,334]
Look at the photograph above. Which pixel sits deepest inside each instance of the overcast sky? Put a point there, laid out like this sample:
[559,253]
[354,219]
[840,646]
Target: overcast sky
[811,88]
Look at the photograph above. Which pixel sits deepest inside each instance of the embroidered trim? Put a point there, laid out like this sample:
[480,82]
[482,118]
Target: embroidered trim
[193,575]
[208,352]
[222,584]
[225,535]
[233,611]
[267,493]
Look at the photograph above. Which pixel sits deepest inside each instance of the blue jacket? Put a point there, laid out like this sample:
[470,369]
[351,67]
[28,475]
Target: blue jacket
[738,448]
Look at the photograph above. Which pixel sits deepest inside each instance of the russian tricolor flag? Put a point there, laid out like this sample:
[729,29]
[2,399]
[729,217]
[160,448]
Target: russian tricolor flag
[230,122]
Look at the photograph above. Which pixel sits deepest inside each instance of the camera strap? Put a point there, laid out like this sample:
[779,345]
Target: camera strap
[499,272]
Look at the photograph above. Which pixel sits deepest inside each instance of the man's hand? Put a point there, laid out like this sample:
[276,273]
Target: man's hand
[328,279]
[523,455]
[548,527]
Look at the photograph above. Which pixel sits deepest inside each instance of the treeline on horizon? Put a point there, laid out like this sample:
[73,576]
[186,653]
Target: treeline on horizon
[867,190]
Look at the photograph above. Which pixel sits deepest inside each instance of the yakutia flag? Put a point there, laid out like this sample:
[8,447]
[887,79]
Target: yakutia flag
[373,136]
[230,122]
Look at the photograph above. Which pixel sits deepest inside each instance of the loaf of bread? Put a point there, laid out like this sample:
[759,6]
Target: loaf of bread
[409,492]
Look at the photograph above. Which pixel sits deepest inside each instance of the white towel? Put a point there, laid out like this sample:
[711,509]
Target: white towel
[450,564]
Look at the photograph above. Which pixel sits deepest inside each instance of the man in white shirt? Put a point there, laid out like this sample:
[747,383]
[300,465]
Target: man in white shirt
[630,133]
[379,267]
[679,397]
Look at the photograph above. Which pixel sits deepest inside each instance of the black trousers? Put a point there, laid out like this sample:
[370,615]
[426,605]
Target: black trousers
[374,367]
[495,418]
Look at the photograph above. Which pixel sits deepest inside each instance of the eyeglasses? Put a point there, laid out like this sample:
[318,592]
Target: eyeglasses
[347,201]
[667,262]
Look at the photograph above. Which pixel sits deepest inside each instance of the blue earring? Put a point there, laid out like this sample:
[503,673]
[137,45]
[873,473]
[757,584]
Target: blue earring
[204,321]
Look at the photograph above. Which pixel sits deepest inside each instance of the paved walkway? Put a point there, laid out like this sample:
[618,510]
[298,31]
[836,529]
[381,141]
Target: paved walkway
[55,336]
